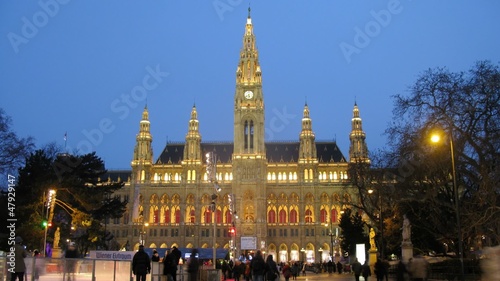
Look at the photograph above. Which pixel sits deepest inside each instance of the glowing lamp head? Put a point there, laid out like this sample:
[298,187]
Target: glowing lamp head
[435,138]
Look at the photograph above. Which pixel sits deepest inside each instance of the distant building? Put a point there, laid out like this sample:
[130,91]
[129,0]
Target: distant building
[281,197]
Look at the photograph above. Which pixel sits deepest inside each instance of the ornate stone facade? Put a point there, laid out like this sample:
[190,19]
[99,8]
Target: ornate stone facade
[280,197]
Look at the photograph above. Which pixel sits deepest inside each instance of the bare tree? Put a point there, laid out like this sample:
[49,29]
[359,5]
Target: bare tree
[465,107]
[13,149]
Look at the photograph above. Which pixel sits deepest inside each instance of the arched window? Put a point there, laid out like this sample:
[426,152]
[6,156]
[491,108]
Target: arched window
[166,215]
[208,216]
[229,217]
[282,217]
[177,216]
[294,216]
[218,216]
[271,216]
[308,217]
[334,215]
[323,216]
[192,217]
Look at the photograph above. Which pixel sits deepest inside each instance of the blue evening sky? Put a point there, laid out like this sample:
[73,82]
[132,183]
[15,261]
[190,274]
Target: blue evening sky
[89,67]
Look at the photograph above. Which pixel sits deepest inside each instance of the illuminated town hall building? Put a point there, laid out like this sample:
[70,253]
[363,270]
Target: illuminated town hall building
[283,198]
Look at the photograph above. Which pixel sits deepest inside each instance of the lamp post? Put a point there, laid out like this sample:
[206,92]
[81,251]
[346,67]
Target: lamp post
[379,199]
[143,234]
[211,161]
[320,254]
[331,234]
[436,138]
[51,200]
[303,252]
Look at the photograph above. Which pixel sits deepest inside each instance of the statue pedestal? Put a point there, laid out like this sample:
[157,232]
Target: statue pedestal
[406,251]
[57,253]
[372,257]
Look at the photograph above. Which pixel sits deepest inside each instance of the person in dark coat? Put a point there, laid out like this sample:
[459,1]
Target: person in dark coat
[156,256]
[400,271]
[71,256]
[177,256]
[339,267]
[19,267]
[366,270]
[356,268]
[224,267]
[271,269]
[141,264]
[193,266]
[169,266]
[380,270]
[258,266]
[239,269]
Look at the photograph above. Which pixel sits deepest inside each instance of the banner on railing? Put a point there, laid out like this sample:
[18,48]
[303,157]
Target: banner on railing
[112,255]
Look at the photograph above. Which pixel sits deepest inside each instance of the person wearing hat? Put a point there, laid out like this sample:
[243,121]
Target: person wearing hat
[18,267]
[141,264]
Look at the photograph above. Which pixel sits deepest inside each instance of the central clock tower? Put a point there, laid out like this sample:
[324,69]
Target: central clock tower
[249,153]
[248,99]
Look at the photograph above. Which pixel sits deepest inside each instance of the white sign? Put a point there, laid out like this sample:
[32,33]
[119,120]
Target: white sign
[361,253]
[112,255]
[248,243]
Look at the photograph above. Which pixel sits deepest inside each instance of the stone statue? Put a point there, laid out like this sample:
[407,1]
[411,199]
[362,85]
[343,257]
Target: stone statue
[57,237]
[372,239]
[406,229]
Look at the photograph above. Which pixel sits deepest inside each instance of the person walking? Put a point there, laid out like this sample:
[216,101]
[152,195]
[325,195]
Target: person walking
[71,256]
[339,267]
[400,271]
[141,264]
[366,271]
[19,267]
[356,268]
[287,271]
[380,270]
[257,266]
[418,268]
[238,270]
[271,269]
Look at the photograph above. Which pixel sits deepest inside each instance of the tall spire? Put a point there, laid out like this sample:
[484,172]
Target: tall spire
[307,139]
[358,150]
[192,151]
[143,151]
[248,71]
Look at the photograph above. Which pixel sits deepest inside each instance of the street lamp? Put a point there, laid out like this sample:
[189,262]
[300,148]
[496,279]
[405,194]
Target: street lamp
[211,161]
[331,234]
[51,200]
[303,252]
[320,254]
[370,191]
[436,138]
[142,241]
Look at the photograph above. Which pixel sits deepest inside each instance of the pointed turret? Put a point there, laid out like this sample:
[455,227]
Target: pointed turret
[307,140]
[248,71]
[143,151]
[192,150]
[358,150]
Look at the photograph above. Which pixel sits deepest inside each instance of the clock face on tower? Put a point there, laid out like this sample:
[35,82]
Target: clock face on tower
[248,95]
